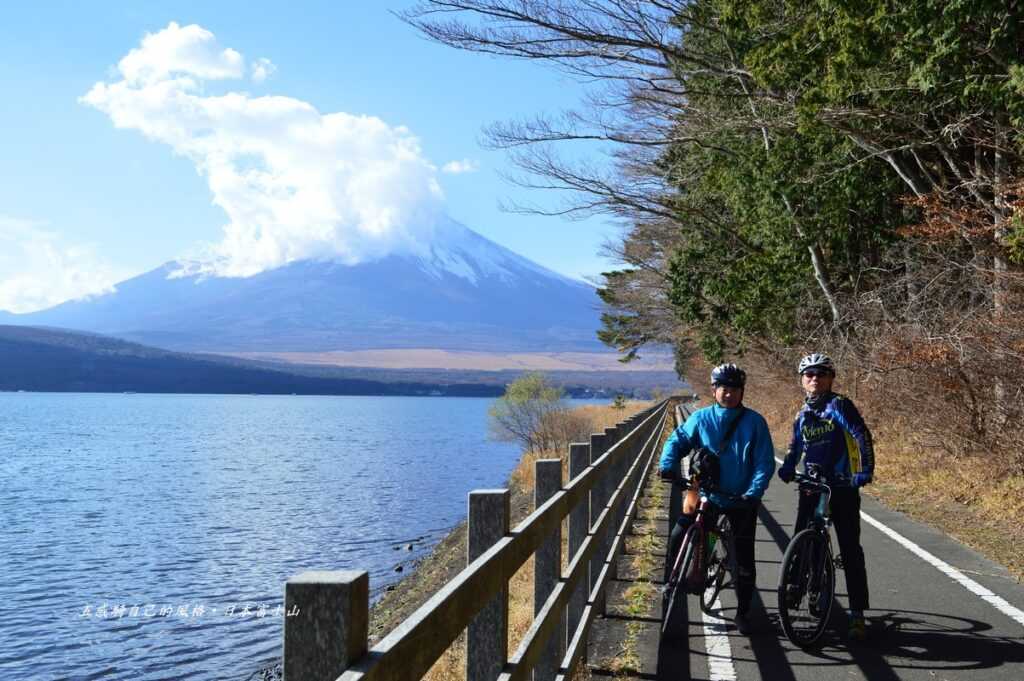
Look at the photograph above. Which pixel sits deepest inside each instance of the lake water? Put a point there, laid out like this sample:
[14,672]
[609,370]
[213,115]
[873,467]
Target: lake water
[150,536]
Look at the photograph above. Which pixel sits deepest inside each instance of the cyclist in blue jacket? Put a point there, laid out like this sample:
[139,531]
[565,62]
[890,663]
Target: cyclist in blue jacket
[745,464]
[830,433]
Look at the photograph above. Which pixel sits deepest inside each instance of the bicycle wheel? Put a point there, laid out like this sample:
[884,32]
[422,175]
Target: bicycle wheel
[673,622]
[718,563]
[806,588]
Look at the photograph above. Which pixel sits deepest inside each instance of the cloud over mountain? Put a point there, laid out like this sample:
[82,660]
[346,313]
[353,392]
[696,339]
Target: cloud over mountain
[295,183]
[40,269]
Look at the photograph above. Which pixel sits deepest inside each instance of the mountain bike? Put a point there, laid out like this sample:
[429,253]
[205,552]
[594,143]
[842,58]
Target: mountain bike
[706,555]
[807,583]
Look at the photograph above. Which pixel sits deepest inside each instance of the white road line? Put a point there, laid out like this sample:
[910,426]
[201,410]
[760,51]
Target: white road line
[987,595]
[998,602]
[716,642]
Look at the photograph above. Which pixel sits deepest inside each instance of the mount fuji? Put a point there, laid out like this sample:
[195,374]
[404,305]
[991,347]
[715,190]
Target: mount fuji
[464,292]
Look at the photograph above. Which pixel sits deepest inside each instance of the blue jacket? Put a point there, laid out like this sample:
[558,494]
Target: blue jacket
[833,437]
[748,461]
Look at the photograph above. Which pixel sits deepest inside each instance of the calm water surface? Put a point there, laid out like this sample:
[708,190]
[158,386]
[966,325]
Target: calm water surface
[149,536]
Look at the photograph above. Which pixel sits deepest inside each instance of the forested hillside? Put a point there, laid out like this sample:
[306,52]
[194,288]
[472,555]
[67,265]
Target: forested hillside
[797,176]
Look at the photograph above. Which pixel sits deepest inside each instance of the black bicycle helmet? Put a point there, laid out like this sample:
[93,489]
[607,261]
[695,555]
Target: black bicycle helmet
[728,375]
[816,360]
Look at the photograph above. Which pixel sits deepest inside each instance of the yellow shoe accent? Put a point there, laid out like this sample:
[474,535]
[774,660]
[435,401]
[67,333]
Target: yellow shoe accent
[858,629]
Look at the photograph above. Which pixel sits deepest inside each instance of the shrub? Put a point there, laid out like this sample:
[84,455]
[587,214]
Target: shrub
[533,412]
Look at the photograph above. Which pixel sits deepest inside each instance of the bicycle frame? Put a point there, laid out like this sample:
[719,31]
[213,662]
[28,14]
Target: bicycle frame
[809,561]
[821,521]
[711,533]
[703,509]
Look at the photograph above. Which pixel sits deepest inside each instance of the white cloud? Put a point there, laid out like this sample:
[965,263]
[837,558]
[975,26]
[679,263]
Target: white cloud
[294,183]
[39,270]
[262,69]
[458,167]
[190,50]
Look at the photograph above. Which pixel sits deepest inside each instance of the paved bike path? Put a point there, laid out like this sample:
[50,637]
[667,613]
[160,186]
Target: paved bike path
[923,623]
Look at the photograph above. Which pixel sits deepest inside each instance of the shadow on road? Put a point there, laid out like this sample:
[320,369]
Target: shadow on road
[896,640]
[674,654]
[936,641]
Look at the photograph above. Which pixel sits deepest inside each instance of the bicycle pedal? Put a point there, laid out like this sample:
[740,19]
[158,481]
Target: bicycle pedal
[793,595]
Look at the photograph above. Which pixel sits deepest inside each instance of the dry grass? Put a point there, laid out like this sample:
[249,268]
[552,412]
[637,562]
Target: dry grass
[468,360]
[959,497]
[451,666]
[642,594]
[598,416]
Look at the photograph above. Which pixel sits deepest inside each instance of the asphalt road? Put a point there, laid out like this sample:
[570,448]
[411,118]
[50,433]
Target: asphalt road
[940,612]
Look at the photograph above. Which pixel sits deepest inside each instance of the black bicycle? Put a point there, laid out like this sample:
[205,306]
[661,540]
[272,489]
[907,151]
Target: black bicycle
[807,583]
[705,557]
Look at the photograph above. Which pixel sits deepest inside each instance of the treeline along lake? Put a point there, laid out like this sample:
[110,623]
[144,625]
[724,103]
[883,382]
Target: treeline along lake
[149,536]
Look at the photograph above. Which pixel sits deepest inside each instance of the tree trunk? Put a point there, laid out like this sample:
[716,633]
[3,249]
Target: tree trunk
[1000,268]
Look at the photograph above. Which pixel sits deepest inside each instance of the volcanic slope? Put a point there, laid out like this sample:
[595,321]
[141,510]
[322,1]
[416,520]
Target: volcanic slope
[464,292]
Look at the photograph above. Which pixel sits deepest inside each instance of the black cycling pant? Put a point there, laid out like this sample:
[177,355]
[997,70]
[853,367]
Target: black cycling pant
[845,512]
[743,520]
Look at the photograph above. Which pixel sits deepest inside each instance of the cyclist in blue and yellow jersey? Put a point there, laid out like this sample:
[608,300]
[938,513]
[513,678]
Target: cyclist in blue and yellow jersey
[745,461]
[830,433]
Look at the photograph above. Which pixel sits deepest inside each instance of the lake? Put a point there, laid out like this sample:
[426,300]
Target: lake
[150,536]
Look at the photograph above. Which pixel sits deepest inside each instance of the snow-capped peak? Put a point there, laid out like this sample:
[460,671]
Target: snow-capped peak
[458,251]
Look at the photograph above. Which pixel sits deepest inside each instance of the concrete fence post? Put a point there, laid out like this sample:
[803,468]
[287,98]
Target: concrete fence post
[579,517]
[631,452]
[612,481]
[675,497]
[598,499]
[326,623]
[547,568]
[639,444]
[487,635]
[638,450]
[627,456]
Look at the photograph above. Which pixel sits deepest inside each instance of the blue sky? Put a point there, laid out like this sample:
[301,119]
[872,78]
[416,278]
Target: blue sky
[85,202]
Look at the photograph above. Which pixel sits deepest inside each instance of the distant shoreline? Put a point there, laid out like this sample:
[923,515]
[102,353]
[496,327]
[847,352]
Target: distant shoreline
[57,360]
[466,360]
[591,398]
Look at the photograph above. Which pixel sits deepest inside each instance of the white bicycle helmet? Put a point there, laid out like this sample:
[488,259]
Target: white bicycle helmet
[816,360]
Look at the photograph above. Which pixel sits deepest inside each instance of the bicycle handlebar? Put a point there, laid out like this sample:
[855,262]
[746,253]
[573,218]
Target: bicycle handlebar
[684,482]
[816,482]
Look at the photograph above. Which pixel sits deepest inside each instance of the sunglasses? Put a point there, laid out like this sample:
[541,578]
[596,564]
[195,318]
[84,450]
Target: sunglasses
[816,373]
